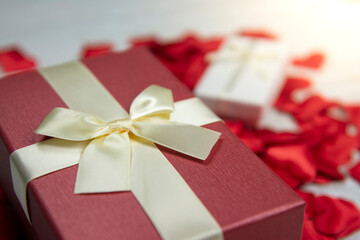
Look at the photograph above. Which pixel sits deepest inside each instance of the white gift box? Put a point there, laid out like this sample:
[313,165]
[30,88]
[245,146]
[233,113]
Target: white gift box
[244,77]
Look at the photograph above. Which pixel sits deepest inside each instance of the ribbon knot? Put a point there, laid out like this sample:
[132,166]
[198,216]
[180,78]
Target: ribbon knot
[123,125]
[105,163]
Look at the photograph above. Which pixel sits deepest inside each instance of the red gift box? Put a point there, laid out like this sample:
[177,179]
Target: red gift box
[247,199]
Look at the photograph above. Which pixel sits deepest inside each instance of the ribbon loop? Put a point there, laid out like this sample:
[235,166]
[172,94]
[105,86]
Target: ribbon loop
[71,125]
[153,100]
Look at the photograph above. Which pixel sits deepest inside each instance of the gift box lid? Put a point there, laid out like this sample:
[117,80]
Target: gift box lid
[245,197]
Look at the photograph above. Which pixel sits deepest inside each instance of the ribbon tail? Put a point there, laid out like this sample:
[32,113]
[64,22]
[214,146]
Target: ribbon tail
[185,138]
[71,125]
[39,159]
[105,165]
[174,209]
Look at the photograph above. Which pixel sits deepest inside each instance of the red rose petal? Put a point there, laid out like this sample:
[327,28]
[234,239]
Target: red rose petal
[285,101]
[309,198]
[312,136]
[13,59]
[329,170]
[320,179]
[354,114]
[194,71]
[310,233]
[355,172]
[250,139]
[314,61]
[338,149]
[329,217]
[92,50]
[185,58]
[335,216]
[296,159]
[311,107]
[257,34]
[271,138]
[235,126]
[284,175]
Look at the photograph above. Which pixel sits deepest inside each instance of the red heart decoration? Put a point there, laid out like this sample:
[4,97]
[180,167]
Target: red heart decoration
[314,61]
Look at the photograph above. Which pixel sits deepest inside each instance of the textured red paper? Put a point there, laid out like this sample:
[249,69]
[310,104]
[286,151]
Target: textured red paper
[246,198]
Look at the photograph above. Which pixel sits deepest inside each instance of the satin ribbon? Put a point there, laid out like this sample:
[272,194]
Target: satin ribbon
[237,52]
[116,151]
[247,55]
[105,162]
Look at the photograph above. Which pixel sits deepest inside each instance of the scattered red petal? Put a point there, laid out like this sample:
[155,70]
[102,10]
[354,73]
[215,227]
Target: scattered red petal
[194,71]
[312,107]
[295,159]
[309,199]
[14,59]
[285,101]
[310,233]
[329,170]
[337,149]
[185,58]
[314,61]
[328,218]
[284,175]
[257,34]
[320,179]
[355,172]
[235,126]
[92,50]
[272,138]
[354,114]
[312,136]
[255,143]
[335,217]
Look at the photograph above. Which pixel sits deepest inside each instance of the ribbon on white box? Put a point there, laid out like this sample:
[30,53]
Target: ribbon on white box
[236,52]
[116,151]
[244,70]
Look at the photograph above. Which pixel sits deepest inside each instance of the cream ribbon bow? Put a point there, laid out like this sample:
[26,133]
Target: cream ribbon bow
[105,162]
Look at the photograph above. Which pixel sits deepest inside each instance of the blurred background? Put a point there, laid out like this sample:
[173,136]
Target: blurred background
[51,32]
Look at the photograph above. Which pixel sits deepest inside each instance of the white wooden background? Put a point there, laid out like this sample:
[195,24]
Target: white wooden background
[54,31]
